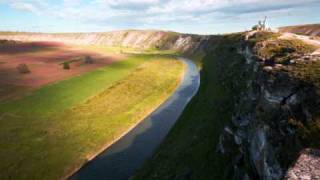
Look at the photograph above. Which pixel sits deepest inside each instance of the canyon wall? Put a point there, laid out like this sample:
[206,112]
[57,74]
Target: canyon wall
[161,40]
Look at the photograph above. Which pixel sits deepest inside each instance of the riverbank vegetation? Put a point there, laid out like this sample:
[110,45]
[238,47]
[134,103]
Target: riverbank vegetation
[57,128]
[190,149]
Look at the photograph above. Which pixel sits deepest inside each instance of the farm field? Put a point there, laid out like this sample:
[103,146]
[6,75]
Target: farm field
[61,123]
[45,61]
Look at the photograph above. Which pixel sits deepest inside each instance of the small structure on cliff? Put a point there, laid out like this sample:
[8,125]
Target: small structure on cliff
[261,26]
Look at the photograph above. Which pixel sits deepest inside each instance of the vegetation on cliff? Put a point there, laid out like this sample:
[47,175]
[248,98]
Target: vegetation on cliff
[190,149]
[247,115]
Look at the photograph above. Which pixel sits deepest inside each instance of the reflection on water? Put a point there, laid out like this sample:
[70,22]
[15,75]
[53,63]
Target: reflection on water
[121,159]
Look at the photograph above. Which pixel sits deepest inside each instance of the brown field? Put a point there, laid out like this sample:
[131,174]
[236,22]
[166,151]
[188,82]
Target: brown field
[44,61]
[308,29]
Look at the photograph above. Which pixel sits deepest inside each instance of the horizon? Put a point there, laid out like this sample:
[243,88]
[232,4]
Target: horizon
[192,16]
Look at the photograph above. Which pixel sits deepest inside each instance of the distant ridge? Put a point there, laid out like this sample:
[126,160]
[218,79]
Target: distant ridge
[308,29]
[141,39]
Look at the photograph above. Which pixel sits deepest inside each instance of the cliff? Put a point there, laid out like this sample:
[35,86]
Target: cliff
[148,39]
[256,112]
[277,115]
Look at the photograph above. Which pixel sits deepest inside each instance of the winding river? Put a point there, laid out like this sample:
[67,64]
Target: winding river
[120,160]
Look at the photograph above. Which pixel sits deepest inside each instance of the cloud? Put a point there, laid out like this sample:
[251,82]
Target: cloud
[24,6]
[129,13]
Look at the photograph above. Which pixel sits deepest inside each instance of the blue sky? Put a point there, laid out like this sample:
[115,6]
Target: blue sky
[189,16]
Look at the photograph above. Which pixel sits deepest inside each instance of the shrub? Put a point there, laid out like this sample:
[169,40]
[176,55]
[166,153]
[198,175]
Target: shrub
[88,60]
[281,50]
[262,36]
[255,27]
[66,65]
[23,69]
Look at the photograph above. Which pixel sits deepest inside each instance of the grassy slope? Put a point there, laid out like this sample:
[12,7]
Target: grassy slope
[59,96]
[125,50]
[42,137]
[190,150]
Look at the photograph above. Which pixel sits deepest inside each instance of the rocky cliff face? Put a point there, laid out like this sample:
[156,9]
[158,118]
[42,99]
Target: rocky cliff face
[277,115]
[162,40]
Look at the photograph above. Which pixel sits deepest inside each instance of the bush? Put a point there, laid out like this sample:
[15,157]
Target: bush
[262,36]
[255,27]
[66,65]
[23,69]
[88,60]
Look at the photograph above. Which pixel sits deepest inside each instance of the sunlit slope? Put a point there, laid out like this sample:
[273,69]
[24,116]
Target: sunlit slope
[52,132]
[309,30]
[147,39]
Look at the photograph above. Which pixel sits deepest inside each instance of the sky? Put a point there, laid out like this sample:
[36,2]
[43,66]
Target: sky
[187,16]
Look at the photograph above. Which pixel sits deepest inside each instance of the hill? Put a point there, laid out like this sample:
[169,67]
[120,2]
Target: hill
[309,30]
[256,111]
[187,44]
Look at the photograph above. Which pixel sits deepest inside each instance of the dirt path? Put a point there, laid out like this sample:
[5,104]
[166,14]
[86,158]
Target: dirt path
[307,39]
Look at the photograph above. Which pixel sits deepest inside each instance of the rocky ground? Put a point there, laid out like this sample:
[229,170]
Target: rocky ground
[306,167]
[278,114]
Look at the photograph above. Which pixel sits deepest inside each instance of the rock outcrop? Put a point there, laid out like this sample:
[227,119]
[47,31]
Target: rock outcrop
[306,167]
[275,116]
[161,40]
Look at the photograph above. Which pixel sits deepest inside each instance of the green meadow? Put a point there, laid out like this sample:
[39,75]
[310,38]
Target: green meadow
[57,128]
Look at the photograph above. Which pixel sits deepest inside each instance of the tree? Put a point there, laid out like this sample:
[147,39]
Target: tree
[23,69]
[66,65]
[88,60]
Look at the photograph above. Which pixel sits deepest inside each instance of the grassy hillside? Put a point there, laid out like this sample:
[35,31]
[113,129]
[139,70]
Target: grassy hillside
[190,149]
[57,97]
[136,39]
[49,133]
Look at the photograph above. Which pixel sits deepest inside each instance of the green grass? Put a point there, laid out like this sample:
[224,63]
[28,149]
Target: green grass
[262,36]
[59,96]
[190,149]
[309,75]
[49,133]
[129,50]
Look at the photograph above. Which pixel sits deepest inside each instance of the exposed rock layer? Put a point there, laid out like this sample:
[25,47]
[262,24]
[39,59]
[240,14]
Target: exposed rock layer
[162,40]
[271,121]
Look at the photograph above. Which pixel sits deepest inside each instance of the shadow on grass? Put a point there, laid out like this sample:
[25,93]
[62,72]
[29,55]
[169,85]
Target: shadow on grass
[10,47]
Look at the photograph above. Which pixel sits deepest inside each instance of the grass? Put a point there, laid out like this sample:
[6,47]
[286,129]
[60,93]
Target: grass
[56,129]
[282,51]
[128,50]
[309,74]
[190,149]
[268,46]
[59,96]
[262,36]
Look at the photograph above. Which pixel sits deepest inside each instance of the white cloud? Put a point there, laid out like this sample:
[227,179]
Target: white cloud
[24,6]
[152,12]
